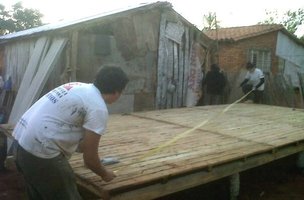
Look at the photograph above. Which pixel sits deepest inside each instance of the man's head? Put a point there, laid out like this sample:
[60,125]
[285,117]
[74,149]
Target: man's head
[215,67]
[111,81]
[250,66]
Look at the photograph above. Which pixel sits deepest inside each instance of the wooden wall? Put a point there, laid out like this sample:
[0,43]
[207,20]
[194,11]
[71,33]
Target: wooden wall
[16,58]
[130,43]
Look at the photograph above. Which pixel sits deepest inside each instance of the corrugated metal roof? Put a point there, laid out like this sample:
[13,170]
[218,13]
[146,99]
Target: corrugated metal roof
[243,32]
[64,24]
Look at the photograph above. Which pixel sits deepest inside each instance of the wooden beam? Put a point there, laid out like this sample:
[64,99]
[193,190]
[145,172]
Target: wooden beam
[28,76]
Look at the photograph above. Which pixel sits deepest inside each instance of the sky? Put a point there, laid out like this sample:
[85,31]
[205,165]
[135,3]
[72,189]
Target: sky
[230,13]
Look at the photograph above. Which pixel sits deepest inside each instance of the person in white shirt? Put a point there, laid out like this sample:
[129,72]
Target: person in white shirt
[71,117]
[254,80]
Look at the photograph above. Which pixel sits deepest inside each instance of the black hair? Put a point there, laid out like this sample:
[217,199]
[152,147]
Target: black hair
[110,80]
[250,65]
[215,67]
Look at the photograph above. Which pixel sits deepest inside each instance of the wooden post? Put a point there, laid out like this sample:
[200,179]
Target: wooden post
[301,75]
[300,161]
[234,186]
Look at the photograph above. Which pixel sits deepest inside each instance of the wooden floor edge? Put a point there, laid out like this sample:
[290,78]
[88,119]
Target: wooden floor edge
[175,184]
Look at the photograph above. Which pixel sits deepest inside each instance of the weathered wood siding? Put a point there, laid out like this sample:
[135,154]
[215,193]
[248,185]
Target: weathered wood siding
[181,55]
[16,58]
[130,42]
[42,61]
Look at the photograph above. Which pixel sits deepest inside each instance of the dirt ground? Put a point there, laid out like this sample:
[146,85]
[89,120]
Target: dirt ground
[280,180]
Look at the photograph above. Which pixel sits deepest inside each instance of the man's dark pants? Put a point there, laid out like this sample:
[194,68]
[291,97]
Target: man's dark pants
[46,179]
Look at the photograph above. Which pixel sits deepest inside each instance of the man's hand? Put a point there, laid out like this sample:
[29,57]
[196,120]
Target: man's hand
[91,158]
[108,175]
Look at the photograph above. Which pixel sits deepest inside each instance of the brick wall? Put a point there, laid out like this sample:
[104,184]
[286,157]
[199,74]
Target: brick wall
[233,56]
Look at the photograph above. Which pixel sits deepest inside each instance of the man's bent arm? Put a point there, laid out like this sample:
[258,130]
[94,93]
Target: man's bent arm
[89,147]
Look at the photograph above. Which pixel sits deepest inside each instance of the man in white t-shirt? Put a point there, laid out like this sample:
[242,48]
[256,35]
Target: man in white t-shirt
[254,80]
[71,117]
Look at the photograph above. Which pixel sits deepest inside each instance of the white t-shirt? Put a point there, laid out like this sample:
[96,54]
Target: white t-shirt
[254,78]
[56,122]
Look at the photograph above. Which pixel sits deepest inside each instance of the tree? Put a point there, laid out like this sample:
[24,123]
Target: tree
[19,18]
[291,20]
[210,21]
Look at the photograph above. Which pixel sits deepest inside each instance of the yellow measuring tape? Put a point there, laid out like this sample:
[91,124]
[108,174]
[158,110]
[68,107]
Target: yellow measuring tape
[184,134]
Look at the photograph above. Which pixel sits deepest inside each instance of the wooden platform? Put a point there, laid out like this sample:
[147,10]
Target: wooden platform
[246,136]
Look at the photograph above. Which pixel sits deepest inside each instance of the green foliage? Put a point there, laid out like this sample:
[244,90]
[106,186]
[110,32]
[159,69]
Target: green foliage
[210,21]
[291,20]
[18,18]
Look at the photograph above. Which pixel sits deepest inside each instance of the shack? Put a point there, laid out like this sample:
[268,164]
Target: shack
[161,52]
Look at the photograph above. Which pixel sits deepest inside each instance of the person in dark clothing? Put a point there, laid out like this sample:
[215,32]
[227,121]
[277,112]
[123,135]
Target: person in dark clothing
[215,82]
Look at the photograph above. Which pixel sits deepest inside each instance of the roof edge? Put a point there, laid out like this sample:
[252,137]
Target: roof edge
[70,23]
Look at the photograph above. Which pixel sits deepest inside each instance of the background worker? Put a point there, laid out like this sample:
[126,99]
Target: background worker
[215,83]
[254,80]
[70,117]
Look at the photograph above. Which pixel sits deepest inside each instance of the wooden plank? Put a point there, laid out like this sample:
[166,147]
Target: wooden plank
[301,79]
[74,55]
[175,31]
[176,65]
[186,65]
[42,74]
[152,170]
[27,79]
[180,83]
[161,67]
[168,92]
